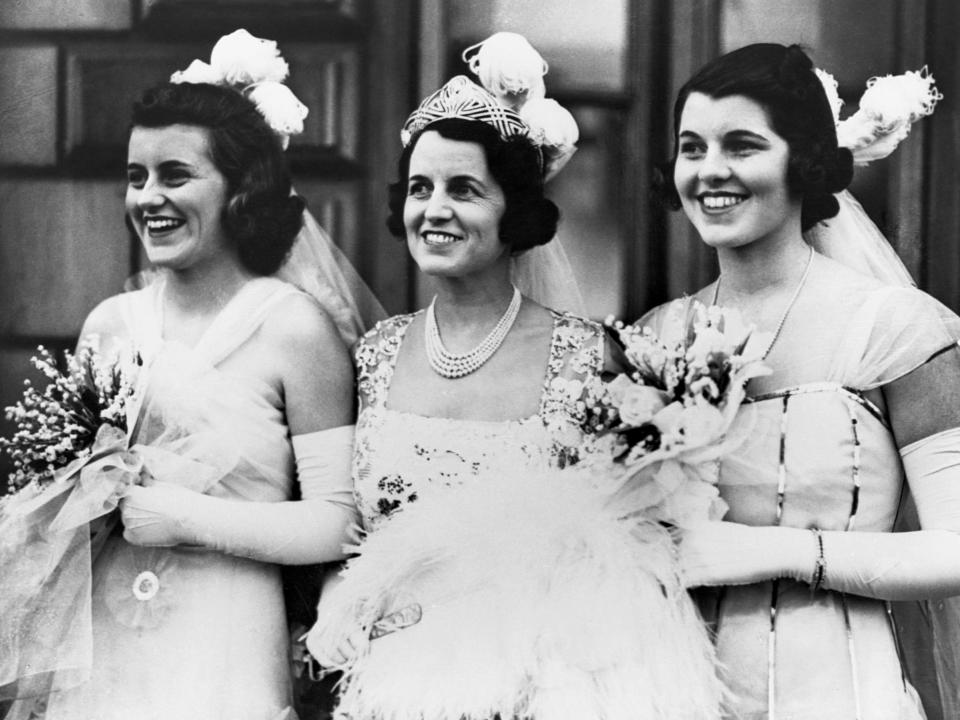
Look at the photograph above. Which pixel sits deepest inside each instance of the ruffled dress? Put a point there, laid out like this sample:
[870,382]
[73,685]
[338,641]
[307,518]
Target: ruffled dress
[822,455]
[182,632]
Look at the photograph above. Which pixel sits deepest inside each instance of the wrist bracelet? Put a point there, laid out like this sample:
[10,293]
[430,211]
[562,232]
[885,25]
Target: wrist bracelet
[820,564]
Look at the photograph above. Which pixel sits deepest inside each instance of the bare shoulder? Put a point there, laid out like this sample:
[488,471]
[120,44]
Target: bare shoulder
[299,329]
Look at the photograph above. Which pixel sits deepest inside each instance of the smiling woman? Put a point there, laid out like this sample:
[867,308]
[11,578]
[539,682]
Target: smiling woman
[175,195]
[861,407]
[184,614]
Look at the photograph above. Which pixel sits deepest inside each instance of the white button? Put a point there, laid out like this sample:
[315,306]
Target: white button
[146,585]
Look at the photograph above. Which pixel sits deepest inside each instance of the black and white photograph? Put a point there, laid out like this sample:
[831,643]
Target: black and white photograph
[479,360]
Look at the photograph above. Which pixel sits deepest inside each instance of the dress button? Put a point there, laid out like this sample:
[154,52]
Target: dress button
[146,585]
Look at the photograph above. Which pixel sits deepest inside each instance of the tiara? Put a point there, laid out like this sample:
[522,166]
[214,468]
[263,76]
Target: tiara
[887,109]
[254,68]
[511,99]
[462,98]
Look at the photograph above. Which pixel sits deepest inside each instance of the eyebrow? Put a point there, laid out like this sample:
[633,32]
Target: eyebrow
[165,165]
[733,134]
[461,177]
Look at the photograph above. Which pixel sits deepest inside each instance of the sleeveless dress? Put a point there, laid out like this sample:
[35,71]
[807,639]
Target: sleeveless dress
[399,455]
[532,595]
[821,455]
[182,632]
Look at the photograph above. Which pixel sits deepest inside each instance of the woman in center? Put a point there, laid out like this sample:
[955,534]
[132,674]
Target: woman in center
[491,583]
[469,385]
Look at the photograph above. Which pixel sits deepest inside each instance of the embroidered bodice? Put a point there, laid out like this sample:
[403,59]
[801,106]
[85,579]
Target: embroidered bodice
[400,455]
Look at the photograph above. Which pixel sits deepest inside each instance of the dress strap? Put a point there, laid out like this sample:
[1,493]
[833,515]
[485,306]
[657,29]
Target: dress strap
[576,359]
[375,357]
[140,313]
[242,317]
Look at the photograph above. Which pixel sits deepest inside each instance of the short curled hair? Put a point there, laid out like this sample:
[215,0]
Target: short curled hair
[261,216]
[529,219]
[782,80]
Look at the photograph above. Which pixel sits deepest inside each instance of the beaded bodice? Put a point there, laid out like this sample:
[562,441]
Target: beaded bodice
[400,455]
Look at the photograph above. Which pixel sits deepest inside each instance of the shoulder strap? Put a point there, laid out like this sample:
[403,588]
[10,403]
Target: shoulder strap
[375,357]
[242,317]
[576,348]
[139,311]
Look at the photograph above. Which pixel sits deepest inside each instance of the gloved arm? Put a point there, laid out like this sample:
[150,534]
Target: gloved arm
[311,530]
[889,566]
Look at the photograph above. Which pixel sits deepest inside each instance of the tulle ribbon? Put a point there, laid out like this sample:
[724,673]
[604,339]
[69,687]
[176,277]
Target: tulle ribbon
[49,539]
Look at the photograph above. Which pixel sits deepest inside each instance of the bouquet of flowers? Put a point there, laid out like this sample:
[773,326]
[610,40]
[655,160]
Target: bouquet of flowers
[81,411]
[661,426]
[71,464]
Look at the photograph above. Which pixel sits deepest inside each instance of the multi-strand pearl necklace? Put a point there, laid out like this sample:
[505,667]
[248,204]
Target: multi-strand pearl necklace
[787,309]
[456,365]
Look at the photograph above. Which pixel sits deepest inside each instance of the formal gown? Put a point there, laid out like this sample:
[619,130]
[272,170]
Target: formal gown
[401,455]
[182,632]
[822,455]
[535,597]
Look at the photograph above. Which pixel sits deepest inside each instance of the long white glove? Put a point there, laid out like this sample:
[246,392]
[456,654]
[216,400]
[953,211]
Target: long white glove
[889,566]
[311,530]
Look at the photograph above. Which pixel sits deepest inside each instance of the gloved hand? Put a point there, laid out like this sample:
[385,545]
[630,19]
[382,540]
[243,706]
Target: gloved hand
[728,553]
[158,515]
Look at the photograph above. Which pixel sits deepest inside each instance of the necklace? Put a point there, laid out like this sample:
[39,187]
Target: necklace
[456,365]
[786,310]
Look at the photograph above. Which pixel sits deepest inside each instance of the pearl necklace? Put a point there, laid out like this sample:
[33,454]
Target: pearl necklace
[786,310]
[456,365]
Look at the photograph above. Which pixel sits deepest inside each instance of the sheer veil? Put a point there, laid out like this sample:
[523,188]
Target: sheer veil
[319,268]
[544,275]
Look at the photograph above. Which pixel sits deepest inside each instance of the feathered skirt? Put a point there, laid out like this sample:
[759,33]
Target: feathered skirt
[531,596]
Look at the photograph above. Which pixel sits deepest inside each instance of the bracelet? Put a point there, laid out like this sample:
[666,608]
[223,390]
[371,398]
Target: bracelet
[820,564]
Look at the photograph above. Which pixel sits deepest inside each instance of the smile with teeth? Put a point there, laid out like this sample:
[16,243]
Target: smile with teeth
[433,237]
[721,202]
[162,224]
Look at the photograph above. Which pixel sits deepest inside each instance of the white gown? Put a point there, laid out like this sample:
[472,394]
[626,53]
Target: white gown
[537,600]
[182,632]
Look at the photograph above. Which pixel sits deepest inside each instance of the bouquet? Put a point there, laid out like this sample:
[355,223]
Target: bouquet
[75,417]
[662,425]
[71,464]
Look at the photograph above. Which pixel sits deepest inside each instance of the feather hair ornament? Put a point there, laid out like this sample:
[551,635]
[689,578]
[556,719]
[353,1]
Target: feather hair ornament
[888,107]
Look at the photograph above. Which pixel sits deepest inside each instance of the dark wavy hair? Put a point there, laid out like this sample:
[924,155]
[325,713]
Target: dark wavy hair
[261,216]
[782,80]
[529,219]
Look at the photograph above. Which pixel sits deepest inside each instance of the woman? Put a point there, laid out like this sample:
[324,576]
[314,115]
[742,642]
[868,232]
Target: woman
[464,601]
[187,607]
[864,394]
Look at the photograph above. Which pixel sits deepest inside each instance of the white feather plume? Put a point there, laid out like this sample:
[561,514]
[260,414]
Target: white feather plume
[541,597]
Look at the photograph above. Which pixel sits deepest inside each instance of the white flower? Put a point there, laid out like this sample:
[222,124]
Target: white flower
[242,59]
[830,88]
[550,123]
[702,424]
[708,341]
[668,419]
[281,109]
[509,67]
[198,72]
[640,404]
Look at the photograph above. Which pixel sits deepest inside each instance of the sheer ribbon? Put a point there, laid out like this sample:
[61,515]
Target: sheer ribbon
[49,542]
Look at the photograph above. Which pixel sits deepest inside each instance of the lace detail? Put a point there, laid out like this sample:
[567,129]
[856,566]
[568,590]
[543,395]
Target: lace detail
[400,455]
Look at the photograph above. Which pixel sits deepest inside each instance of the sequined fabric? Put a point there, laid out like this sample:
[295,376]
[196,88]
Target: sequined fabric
[400,455]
